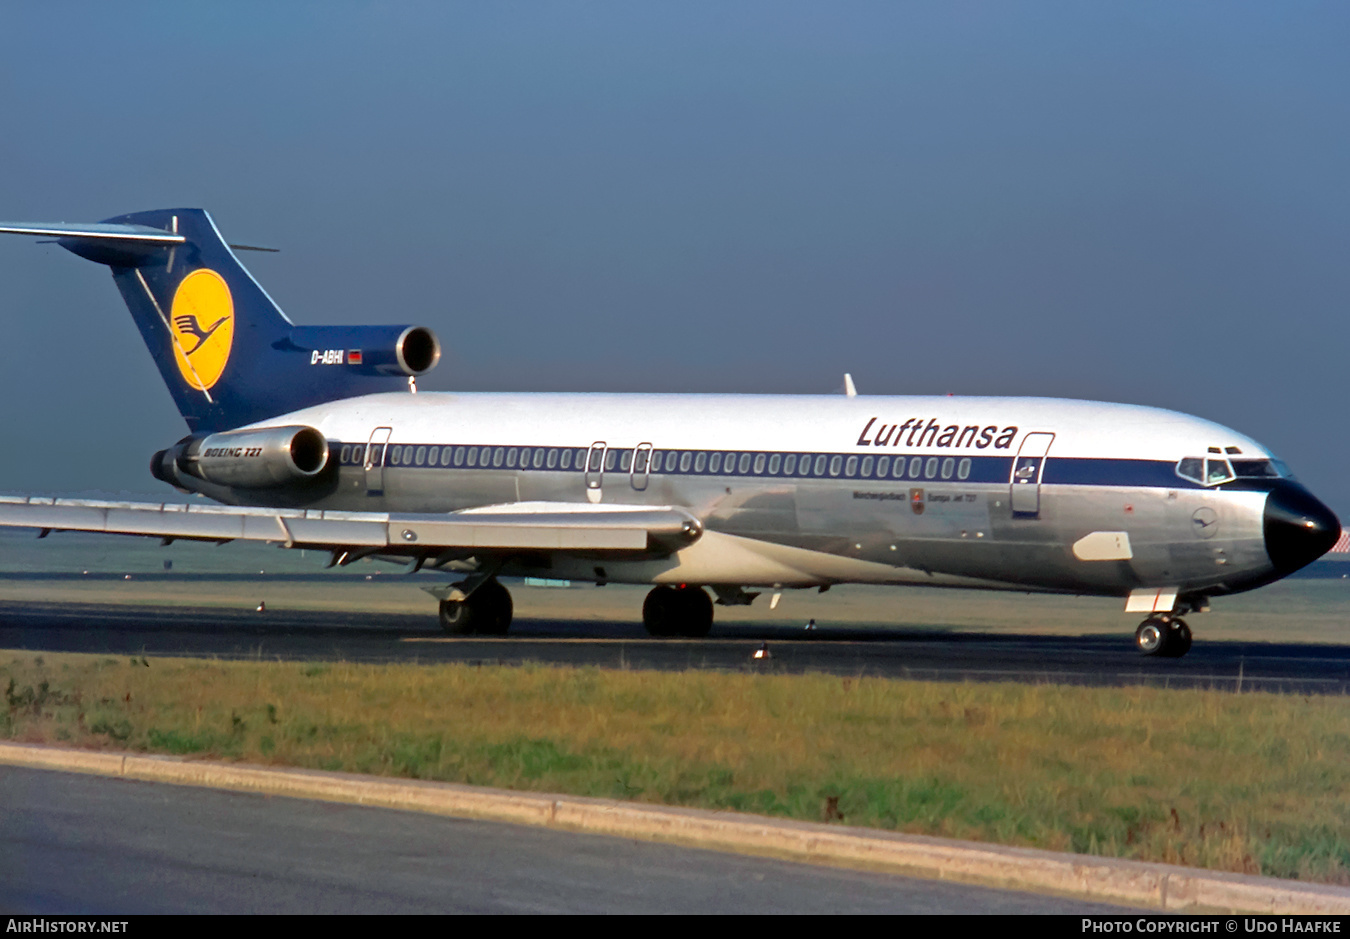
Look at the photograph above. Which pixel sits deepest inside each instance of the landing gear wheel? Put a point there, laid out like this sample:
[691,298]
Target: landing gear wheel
[1178,640]
[1164,637]
[696,609]
[487,612]
[1151,637]
[682,611]
[494,603]
[457,617]
[660,612]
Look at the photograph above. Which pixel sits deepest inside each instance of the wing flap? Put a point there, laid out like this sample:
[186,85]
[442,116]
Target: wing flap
[496,528]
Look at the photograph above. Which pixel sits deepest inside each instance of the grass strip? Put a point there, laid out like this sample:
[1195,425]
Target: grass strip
[1252,783]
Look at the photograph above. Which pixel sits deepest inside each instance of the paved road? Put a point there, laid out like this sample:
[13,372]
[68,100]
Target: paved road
[358,635]
[86,844]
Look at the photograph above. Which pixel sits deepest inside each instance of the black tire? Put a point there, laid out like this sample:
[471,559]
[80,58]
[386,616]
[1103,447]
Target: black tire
[1151,637]
[696,612]
[660,612]
[457,618]
[1178,640]
[493,607]
[486,612]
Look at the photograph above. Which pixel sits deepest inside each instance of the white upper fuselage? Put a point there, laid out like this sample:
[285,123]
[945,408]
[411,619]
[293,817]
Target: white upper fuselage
[770,423]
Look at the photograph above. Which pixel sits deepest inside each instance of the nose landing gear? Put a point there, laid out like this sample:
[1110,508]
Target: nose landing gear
[1163,635]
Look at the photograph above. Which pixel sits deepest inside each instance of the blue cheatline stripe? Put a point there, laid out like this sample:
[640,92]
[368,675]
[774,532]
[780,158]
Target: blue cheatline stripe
[914,467]
[1089,472]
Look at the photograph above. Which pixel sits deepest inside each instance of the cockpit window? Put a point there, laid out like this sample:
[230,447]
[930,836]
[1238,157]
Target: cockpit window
[1255,469]
[1217,471]
[1192,468]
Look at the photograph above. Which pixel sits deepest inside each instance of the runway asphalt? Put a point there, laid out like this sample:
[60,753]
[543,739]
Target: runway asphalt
[365,636]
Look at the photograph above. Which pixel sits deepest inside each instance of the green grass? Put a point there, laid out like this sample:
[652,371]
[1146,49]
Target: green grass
[1253,783]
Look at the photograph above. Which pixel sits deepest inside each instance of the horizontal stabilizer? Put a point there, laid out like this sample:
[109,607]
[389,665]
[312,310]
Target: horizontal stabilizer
[132,234]
[505,528]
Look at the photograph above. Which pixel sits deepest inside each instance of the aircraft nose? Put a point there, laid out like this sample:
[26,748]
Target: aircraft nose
[1299,529]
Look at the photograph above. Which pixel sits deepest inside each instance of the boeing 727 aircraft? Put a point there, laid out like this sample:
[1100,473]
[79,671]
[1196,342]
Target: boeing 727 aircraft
[316,437]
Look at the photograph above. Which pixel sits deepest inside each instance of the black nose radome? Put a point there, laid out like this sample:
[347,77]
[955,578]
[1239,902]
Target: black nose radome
[1299,528]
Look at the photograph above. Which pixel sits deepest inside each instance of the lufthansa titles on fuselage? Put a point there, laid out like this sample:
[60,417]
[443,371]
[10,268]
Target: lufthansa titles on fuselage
[915,433]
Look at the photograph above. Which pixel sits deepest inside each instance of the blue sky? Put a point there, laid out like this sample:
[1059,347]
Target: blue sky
[1140,202]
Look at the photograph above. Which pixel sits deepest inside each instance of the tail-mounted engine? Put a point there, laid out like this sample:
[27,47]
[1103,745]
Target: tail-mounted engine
[368,350]
[261,458]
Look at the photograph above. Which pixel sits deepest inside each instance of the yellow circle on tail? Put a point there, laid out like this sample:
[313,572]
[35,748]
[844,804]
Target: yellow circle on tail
[202,321]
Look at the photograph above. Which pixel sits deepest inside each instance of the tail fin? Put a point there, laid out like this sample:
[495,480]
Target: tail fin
[226,351]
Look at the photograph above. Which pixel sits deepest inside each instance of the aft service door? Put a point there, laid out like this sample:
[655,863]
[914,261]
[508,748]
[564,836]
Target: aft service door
[374,461]
[642,457]
[595,471]
[1026,475]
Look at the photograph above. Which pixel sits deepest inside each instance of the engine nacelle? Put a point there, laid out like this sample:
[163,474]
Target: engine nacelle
[261,458]
[369,350]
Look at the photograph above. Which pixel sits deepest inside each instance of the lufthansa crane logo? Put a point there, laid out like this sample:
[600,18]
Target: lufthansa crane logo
[202,320]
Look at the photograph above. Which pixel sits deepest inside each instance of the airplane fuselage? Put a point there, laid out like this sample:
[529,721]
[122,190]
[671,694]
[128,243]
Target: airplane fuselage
[1017,493]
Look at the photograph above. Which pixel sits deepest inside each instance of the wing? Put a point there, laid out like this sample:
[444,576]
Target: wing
[653,531]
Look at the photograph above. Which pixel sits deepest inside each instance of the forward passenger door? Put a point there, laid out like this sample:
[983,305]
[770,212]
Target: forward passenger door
[1026,475]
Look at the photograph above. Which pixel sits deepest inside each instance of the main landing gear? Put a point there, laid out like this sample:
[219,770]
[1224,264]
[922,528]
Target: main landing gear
[678,611]
[486,611]
[1163,635]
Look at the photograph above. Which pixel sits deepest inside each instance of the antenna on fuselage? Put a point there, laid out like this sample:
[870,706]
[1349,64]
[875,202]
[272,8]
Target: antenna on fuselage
[849,388]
